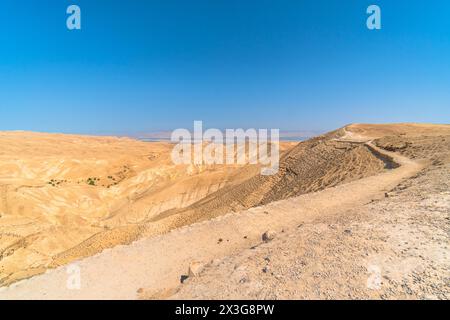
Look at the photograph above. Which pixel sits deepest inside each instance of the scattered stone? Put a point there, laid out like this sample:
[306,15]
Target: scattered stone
[266,269]
[215,262]
[195,268]
[266,212]
[220,240]
[183,278]
[244,280]
[348,231]
[269,235]
[386,195]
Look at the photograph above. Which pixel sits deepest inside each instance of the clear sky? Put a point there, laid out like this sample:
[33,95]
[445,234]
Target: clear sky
[153,65]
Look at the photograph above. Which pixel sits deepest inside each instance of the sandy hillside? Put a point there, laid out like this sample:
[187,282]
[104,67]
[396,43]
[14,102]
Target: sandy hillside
[59,191]
[308,166]
[364,198]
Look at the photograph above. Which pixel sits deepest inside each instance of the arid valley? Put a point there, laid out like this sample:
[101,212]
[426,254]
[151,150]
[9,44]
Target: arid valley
[360,212]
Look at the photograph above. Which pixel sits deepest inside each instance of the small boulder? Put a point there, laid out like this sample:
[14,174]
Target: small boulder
[195,268]
[183,278]
[269,235]
[215,262]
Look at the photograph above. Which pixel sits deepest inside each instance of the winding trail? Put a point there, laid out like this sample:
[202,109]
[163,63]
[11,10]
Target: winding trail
[158,262]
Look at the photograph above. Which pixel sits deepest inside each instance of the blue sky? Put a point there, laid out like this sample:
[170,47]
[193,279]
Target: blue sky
[154,65]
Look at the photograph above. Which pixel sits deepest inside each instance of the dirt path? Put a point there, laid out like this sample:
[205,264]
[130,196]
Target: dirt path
[156,264]
[396,247]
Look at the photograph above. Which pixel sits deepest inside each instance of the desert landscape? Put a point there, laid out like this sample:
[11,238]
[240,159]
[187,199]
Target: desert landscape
[361,212]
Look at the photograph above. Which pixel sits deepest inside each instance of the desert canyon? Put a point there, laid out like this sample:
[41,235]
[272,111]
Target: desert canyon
[359,212]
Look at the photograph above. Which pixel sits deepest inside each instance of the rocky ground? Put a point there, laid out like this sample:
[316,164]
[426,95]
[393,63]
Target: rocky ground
[397,247]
